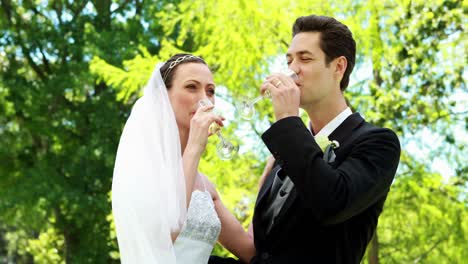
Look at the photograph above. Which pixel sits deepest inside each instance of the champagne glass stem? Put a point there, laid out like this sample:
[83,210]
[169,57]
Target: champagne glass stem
[256,99]
[220,136]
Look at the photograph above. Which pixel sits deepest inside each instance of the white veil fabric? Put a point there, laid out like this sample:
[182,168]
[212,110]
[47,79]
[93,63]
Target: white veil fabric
[148,187]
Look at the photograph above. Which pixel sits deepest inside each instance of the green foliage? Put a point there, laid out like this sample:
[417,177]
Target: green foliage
[59,127]
[45,248]
[426,216]
[420,71]
[71,71]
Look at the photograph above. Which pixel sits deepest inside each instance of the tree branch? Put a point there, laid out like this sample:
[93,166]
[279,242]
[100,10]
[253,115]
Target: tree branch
[58,10]
[103,14]
[425,254]
[121,6]
[7,8]
[78,10]
[44,58]
[34,66]
[138,7]
[37,12]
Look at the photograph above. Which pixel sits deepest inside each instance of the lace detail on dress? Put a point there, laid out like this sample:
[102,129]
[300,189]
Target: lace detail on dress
[202,221]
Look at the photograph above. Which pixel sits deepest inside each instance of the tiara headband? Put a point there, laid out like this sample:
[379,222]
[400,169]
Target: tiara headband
[176,62]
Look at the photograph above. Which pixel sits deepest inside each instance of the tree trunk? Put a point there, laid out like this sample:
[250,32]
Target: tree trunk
[103,9]
[71,247]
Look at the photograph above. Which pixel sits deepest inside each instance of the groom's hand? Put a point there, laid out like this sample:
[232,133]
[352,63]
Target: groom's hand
[285,95]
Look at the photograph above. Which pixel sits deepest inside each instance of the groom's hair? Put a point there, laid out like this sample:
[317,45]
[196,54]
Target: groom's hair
[335,40]
[169,68]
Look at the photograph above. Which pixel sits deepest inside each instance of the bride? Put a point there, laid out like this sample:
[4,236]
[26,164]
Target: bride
[165,210]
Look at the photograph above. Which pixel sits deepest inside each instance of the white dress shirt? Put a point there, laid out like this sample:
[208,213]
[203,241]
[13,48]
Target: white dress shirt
[332,125]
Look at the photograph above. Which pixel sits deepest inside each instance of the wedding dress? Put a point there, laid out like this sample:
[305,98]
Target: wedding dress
[199,232]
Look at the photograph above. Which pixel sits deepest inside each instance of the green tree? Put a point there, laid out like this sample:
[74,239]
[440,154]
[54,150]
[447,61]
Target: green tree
[423,221]
[415,87]
[59,128]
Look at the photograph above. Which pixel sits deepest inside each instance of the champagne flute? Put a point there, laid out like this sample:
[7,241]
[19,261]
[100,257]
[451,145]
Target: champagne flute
[225,149]
[245,107]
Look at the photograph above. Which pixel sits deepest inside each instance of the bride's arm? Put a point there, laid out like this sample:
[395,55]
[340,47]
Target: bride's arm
[190,160]
[233,236]
[196,144]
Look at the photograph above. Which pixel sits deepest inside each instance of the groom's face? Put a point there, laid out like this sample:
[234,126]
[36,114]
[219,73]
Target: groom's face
[191,83]
[317,80]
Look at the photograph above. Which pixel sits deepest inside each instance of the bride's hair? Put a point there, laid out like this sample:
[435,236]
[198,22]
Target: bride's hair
[169,68]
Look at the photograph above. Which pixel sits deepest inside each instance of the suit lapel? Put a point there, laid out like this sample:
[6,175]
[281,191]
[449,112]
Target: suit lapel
[266,187]
[259,225]
[344,130]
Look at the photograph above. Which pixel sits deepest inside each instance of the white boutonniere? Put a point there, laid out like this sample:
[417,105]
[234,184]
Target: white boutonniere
[324,142]
[327,146]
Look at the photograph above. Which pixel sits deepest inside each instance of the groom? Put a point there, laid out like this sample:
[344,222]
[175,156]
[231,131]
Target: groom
[320,204]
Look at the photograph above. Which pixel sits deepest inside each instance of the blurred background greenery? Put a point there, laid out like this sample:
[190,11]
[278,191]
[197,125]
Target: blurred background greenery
[71,70]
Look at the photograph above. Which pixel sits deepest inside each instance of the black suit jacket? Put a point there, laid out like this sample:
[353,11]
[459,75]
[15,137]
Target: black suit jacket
[331,213]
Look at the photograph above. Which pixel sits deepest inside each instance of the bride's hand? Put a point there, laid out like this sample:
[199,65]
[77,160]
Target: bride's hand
[199,127]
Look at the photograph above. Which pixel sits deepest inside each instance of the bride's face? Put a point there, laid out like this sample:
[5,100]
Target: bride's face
[191,83]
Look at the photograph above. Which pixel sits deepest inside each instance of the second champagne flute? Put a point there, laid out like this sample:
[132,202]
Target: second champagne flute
[245,107]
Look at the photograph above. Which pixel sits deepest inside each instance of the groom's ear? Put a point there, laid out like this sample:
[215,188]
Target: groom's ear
[339,67]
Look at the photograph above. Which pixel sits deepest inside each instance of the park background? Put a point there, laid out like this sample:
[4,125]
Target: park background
[70,72]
